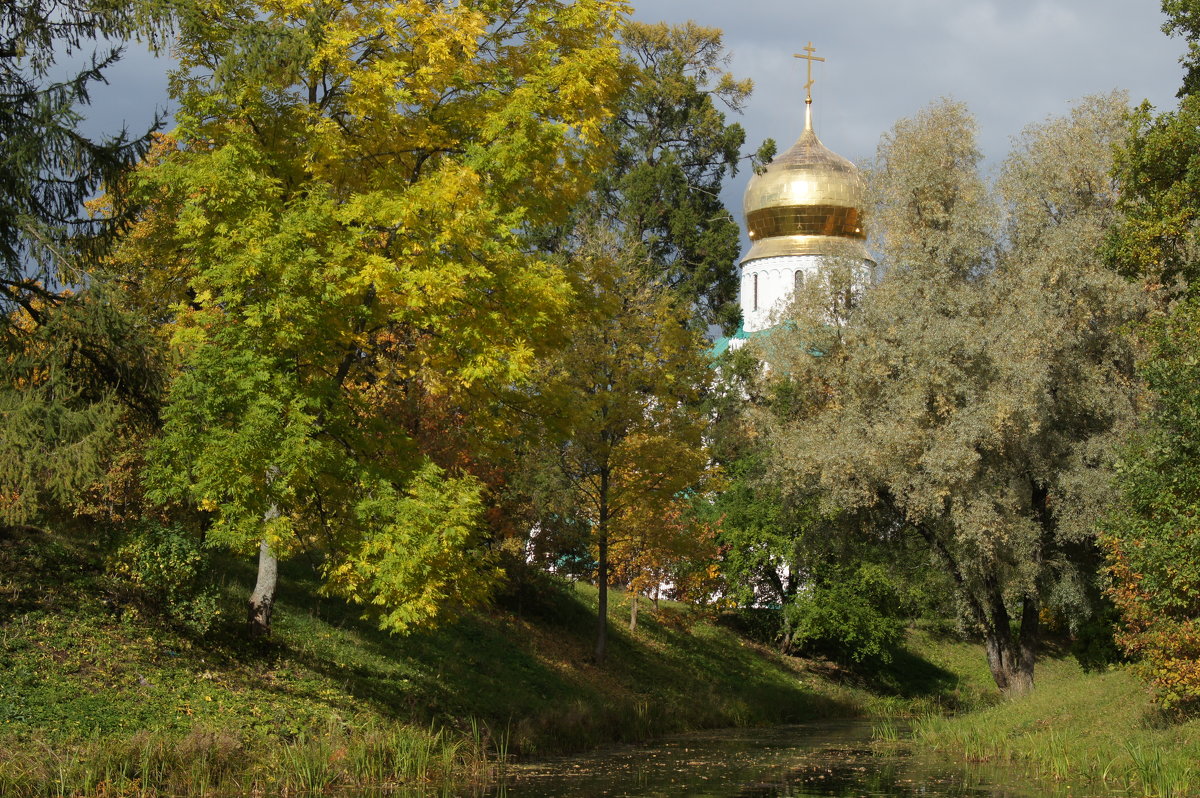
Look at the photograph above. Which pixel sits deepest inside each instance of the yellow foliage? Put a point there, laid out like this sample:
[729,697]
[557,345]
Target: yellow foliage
[335,233]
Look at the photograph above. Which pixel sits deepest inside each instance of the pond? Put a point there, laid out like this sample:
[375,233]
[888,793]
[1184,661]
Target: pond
[820,759]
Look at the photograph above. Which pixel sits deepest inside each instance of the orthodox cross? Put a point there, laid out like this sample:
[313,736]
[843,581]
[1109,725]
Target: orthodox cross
[809,57]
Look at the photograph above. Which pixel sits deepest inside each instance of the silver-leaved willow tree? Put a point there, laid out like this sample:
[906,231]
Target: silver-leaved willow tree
[974,396]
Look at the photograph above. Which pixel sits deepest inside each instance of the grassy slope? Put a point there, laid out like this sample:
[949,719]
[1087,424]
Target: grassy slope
[77,664]
[1093,728]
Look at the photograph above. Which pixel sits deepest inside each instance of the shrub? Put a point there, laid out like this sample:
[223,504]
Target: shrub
[165,566]
[851,614]
[1094,643]
[760,624]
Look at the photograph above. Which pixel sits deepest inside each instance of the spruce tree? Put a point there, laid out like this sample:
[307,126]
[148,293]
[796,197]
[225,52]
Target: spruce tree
[48,166]
[71,364]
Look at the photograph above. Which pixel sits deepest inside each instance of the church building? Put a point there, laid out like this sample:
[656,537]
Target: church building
[804,210]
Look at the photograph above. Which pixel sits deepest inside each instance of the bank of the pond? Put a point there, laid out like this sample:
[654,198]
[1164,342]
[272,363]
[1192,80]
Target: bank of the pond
[1100,729]
[820,758]
[97,692]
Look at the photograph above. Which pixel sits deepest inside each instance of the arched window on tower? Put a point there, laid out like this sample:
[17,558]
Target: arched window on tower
[756,291]
[799,280]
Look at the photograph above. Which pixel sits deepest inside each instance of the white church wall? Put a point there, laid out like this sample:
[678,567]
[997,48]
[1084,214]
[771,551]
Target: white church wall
[768,285]
[776,280]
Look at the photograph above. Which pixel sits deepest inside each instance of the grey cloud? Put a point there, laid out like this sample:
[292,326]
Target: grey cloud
[1014,62]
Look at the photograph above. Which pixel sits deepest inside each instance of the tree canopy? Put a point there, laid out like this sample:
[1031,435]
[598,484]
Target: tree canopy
[976,393]
[1150,538]
[341,227]
[616,423]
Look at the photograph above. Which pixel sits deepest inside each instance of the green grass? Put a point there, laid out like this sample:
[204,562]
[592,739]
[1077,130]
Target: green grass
[94,694]
[932,674]
[1098,729]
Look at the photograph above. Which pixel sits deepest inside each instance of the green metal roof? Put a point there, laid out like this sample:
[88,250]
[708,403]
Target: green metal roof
[721,345]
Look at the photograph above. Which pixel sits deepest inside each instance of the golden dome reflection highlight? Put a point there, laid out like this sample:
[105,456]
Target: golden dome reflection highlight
[808,190]
[808,201]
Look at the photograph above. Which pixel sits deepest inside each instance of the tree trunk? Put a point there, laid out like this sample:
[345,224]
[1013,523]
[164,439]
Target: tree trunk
[1011,666]
[998,657]
[1012,659]
[1028,645]
[785,641]
[997,636]
[602,603]
[1010,662]
[633,609]
[262,600]
[602,574]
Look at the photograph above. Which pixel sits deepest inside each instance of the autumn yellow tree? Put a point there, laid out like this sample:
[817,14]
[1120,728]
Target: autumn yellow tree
[664,544]
[340,231]
[616,432]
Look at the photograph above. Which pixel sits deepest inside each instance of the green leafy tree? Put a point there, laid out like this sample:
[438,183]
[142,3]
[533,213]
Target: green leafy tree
[976,395]
[615,414]
[1151,542]
[674,152]
[1183,19]
[852,612]
[829,588]
[1157,237]
[765,560]
[341,226]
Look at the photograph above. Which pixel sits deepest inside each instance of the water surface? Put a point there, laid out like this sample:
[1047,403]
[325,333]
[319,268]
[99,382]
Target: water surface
[820,759]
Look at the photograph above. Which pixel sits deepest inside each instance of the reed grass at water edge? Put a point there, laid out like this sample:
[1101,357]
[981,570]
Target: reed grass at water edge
[1098,730]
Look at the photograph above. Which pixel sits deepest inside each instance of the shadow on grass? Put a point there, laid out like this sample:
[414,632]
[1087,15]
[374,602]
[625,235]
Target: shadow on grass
[908,675]
[533,668]
[524,665]
[42,572]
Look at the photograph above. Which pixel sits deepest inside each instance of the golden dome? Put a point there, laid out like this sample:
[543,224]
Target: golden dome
[809,201]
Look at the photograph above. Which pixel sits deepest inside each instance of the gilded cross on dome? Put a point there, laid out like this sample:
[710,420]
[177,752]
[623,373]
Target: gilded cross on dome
[809,57]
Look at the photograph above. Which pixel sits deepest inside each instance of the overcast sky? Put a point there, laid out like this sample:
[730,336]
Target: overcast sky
[1014,62]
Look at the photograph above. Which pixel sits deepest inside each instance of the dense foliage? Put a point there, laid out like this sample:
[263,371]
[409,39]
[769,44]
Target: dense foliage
[343,243]
[975,395]
[1152,544]
[415,287]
